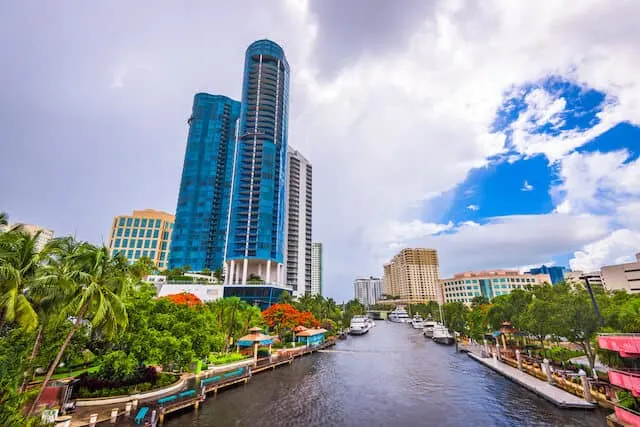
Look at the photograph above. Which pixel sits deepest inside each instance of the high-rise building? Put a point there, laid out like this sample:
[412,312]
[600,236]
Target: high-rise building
[146,233]
[203,202]
[463,287]
[255,235]
[367,290]
[414,276]
[298,231]
[43,238]
[556,273]
[316,268]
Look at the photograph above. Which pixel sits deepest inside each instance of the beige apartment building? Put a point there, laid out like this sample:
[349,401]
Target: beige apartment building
[463,287]
[413,275]
[622,276]
[44,237]
[146,233]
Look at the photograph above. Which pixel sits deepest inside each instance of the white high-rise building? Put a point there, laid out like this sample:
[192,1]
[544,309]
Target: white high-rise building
[367,290]
[316,268]
[298,223]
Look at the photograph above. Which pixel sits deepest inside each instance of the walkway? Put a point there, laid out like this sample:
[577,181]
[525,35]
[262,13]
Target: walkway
[543,389]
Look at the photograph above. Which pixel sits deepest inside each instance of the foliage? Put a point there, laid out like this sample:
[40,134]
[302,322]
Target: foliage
[351,308]
[222,358]
[117,365]
[185,298]
[560,354]
[282,317]
[145,379]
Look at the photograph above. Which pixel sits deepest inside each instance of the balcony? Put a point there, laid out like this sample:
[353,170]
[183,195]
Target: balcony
[628,345]
[626,380]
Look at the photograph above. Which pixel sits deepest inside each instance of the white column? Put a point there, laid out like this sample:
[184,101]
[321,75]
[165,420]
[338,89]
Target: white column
[226,273]
[278,274]
[232,272]
[260,270]
[268,277]
[245,266]
[238,273]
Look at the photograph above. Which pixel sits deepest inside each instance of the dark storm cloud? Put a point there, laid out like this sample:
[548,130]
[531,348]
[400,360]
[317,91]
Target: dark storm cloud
[349,29]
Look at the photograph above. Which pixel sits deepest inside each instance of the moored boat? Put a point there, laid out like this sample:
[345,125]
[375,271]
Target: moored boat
[441,335]
[359,325]
[399,315]
[427,329]
[417,322]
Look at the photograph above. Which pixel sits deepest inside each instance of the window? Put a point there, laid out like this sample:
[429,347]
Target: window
[163,246]
[139,243]
[136,222]
[155,234]
[152,254]
[132,243]
[148,233]
[127,232]
[119,233]
[134,232]
[143,223]
[117,244]
[137,254]
[130,254]
[145,253]
[154,243]
[125,243]
[129,221]
[121,222]
[157,223]
[146,243]
[165,235]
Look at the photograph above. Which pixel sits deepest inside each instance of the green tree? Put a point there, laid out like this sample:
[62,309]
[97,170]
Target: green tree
[539,319]
[478,301]
[143,266]
[577,322]
[94,288]
[455,314]
[4,218]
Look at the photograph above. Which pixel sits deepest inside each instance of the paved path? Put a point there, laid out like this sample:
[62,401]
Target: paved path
[543,389]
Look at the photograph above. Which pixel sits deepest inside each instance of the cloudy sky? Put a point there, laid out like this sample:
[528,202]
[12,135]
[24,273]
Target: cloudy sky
[501,133]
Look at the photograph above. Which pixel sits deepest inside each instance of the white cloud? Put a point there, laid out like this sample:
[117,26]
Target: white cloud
[525,268]
[527,187]
[619,247]
[474,208]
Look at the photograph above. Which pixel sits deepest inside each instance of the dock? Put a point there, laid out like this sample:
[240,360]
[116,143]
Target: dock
[558,397]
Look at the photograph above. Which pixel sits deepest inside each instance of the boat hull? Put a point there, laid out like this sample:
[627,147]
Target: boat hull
[444,340]
[428,334]
[358,331]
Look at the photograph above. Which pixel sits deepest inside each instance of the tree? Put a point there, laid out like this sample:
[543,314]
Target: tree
[479,300]
[455,316]
[185,298]
[94,288]
[4,218]
[142,267]
[538,319]
[577,322]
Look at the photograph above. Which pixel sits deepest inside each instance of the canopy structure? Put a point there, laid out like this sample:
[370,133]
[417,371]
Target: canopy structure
[311,336]
[312,332]
[299,328]
[255,336]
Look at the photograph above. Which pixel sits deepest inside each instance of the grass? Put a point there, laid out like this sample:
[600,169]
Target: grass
[221,359]
[75,373]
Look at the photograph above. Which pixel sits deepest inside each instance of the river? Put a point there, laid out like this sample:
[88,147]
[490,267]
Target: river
[391,376]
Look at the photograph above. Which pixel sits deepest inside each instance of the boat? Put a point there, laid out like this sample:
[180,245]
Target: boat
[359,325]
[417,322]
[428,326]
[371,322]
[441,335]
[399,315]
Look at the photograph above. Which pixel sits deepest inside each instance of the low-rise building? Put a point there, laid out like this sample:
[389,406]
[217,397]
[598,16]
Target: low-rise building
[622,276]
[463,287]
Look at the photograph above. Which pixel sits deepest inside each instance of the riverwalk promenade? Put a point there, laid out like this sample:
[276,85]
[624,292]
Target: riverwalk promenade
[544,389]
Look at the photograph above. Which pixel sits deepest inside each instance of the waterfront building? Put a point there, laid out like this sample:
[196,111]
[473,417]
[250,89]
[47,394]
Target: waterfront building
[145,233]
[45,236]
[414,275]
[203,200]
[311,337]
[594,279]
[573,278]
[463,287]
[556,273]
[299,224]
[316,268]
[263,296]
[255,235]
[622,276]
[367,290]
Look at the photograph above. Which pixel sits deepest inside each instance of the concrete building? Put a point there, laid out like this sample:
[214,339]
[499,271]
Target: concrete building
[594,279]
[46,234]
[573,278]
[622,276]
[316,268]
[256,229]
[414,275]
[299,225]
[367,290]
[463,287]
[556,273]
[146,233]
[262,296]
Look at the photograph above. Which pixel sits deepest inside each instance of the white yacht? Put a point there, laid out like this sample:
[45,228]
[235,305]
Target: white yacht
[371,322]
[428,326]
[417,322]
[399,315]
[360,325]
[441,335]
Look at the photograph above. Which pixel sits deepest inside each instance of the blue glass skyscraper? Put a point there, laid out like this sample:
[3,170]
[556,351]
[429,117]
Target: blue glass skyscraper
[199,236]
[255,243]
[555,273]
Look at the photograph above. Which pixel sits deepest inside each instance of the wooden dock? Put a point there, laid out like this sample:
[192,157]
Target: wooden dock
[543,389]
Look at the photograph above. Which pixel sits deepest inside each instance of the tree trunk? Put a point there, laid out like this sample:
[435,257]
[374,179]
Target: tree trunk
[589,352]
[34,353]
[233,318]
[56,361]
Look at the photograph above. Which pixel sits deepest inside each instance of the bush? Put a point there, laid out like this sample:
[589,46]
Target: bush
[118,365]
[560,354]
[87,392]
[222,358]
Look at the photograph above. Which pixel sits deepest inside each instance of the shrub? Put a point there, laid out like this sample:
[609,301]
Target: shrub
[222,358]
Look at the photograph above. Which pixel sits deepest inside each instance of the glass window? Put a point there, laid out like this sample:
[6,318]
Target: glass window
[469,287]
[157,223]
[143,223]
[165,235]
[155,234]
[117,244]
[125,243]
[146,243]
[139,245]
[154,243]
[136,222]
[163,246]
[145,253]
[137,254]
[127,232]
[129,221]
[149,231]
[121,222]
[130,253]
[119,233]
[503,280]
[134,232]
[152,254]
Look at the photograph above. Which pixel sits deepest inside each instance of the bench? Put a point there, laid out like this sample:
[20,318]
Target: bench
[167,399]
[233,373]
[141,414]
[187,393]
[210,380]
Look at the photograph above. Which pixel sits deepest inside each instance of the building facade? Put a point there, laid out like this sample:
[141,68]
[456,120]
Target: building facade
[556,273]
[622,276]
[45,234]
[146,233]
[263,296]
[203,201]
[367,290]
[255,237]
[299,224]
[316,268]
[413,275]
[463,287]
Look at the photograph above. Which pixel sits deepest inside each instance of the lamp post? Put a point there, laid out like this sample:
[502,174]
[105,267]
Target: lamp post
[596,309]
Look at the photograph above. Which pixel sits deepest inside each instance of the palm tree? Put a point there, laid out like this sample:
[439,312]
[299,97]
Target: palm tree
[19,264]
[4,218]
[93,285]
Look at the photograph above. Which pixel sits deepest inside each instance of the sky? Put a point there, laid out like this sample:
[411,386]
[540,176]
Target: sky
[503,134]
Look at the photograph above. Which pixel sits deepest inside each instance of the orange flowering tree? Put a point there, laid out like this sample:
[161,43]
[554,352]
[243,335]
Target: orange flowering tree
[282,317]
[185,298]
